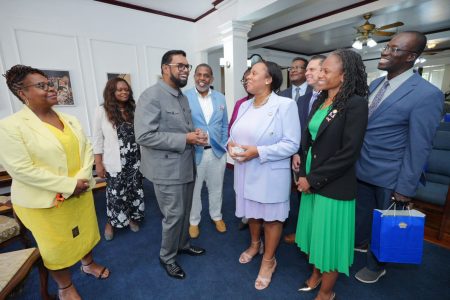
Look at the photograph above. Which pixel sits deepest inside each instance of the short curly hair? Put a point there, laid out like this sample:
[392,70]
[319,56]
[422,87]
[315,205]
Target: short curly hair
[16,75]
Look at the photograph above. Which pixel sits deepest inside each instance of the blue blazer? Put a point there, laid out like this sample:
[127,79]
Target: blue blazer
[218,124]
[399,136]
[268,177]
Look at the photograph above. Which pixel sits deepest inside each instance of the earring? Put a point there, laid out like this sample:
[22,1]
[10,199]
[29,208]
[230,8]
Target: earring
[27,103]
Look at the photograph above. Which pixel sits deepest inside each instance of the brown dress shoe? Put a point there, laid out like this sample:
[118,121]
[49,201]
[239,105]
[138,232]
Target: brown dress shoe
[220,226]
[194,231]
[289,238]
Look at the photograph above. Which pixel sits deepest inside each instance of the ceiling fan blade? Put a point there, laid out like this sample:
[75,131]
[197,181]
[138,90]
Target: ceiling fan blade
[396,24]
[383,33]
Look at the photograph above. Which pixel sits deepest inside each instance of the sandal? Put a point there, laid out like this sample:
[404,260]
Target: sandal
[262,282]
[58,297]
[100,275]
[245,258]
[133,226]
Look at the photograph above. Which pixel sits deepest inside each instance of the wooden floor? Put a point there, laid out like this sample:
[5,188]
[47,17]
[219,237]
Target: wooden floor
[432,223]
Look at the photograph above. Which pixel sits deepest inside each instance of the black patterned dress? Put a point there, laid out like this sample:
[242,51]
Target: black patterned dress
[124,191]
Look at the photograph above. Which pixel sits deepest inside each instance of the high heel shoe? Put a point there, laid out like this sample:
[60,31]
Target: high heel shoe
[245,258]
[307,288]
[263,282]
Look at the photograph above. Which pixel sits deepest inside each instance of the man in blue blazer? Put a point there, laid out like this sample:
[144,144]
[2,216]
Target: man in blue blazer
[404,113]
[209,113]
[297,77]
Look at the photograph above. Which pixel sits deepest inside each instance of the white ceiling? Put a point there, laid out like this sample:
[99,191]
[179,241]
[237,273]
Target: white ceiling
[326,24]
[185,8]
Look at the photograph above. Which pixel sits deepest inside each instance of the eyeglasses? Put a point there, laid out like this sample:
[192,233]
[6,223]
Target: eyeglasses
[296,69]
[394,50]
[181,67]
[41,85]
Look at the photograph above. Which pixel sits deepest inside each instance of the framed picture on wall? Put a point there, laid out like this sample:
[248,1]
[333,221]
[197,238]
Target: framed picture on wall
[125,76]
[62,83]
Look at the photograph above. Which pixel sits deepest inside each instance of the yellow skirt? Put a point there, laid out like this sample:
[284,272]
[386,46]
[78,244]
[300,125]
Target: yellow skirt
[63,234]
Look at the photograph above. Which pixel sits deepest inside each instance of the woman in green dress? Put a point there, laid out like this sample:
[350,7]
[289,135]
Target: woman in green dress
[331,144]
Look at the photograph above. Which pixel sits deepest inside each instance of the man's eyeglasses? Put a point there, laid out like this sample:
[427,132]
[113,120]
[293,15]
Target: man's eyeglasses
[41,85]
[394,50]
[296,69]
[181,67]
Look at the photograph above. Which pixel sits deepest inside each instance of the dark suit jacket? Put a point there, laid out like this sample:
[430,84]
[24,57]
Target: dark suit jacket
[288,92]
[335,149]
[303,106]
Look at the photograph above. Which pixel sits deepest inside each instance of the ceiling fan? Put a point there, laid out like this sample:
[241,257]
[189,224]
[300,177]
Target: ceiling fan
[367,30]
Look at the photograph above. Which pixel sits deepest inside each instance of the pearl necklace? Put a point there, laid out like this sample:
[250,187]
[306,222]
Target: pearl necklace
[262,103]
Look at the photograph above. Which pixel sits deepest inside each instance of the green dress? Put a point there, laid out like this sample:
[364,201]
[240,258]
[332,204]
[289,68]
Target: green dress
[326,226]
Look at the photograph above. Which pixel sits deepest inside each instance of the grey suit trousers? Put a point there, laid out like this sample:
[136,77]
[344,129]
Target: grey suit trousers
[175,202]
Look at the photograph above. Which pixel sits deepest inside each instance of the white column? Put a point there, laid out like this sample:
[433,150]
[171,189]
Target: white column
[234,39]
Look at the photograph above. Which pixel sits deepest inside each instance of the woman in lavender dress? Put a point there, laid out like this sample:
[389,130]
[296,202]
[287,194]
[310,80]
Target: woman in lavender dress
[265,135]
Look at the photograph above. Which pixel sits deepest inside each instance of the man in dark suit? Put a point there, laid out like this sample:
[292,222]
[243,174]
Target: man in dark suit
[164,129]
[404,113]
[297,77]
[304,105]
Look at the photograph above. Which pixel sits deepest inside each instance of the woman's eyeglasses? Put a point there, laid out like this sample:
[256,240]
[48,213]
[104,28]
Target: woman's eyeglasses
[41,85]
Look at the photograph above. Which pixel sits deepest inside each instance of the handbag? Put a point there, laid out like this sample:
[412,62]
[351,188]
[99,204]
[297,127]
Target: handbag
[397,235]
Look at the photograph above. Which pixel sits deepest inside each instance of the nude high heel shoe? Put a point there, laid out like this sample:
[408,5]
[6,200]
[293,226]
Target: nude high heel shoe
[245,258]
[263,282]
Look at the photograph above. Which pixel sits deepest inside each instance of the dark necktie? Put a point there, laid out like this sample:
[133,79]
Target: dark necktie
[378,97]
[297,94]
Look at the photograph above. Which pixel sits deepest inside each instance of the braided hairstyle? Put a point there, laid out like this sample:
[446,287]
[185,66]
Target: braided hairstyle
[16,75]
[111,104]
[355,79]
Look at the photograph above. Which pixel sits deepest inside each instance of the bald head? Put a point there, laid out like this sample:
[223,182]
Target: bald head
[401,52]
[417,40]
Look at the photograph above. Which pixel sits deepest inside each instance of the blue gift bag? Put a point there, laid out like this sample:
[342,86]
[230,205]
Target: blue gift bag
[397,236]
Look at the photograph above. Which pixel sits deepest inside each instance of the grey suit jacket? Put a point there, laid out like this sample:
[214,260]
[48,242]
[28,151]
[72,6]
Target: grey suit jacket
[161,121]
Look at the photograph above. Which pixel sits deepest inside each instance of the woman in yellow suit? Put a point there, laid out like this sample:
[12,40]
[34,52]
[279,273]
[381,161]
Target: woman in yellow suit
[50,161]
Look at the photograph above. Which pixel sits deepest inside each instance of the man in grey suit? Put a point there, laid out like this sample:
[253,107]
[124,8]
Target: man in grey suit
[164,130]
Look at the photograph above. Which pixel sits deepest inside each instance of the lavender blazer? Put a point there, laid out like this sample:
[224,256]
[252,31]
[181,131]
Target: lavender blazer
[268,177]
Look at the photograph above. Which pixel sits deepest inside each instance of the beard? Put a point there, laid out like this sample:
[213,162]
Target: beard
[178,82]
[202,89]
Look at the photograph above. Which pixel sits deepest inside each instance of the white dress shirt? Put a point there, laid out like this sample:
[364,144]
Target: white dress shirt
[302,90]
[206,106]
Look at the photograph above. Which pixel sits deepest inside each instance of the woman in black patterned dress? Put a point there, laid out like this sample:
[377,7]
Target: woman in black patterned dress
[117,157]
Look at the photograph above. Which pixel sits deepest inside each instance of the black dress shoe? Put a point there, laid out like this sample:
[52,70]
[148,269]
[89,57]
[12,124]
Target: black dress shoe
[193,251]
[173,270]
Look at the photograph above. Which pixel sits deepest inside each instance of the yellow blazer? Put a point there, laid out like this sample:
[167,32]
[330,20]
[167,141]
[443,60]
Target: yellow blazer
[36,160]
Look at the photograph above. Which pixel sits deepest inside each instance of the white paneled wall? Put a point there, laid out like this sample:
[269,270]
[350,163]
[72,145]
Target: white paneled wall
[89,39]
